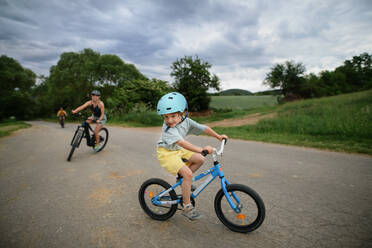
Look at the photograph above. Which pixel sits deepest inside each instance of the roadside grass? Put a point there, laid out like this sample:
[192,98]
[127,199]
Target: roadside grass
[137,119]
[220,114]
[242,102]
[7,127]
[339,123]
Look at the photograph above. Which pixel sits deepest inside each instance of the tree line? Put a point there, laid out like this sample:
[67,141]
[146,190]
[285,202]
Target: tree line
[123,87]
[354,75]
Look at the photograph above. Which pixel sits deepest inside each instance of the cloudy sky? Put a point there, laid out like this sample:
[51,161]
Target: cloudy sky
[242,39]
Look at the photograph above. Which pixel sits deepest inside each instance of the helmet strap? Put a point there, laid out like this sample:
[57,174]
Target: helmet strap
[182,119]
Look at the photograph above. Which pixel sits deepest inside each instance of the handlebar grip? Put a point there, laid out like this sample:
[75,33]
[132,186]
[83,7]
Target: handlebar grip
[224,139]
[204,153]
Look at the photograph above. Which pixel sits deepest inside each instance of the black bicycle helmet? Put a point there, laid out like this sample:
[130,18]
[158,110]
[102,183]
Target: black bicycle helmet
[96,92]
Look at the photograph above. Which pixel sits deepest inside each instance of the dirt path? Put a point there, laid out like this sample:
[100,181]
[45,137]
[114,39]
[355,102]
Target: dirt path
[251,119]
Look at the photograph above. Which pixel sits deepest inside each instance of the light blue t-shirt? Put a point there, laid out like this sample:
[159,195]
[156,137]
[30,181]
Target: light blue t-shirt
[170,135]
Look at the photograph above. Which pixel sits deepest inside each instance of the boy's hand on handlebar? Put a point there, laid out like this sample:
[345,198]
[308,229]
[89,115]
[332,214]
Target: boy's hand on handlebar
[223,136]
[209,149]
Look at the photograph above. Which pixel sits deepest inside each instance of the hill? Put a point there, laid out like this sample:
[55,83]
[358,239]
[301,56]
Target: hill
[235,92]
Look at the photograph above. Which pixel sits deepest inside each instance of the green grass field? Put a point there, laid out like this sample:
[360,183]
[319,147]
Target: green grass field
[6,128]
[340,123]
[242,102]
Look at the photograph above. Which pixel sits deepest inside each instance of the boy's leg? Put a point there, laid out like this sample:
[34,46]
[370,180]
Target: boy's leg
[188,210]
[196,161]
[186,173]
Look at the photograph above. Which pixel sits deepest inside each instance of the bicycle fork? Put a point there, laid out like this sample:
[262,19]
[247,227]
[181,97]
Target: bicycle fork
[236,207]
[224,183]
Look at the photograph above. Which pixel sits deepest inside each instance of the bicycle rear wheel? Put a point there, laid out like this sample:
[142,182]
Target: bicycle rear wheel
[252,208]
[103,137]
[152,188]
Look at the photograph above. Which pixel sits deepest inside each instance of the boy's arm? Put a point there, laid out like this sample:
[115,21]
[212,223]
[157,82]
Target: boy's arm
[212,133]
[188,146]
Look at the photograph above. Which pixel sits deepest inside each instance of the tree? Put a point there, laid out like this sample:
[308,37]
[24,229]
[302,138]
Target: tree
[287,77]
[16,85]
[358,72]
[77,74]
[144,92]
[193,80]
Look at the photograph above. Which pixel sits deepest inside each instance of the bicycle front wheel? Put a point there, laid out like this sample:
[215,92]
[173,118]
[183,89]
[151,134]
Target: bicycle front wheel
[71,152]
[152,188]
[250,204]
[103,137]
[75,142]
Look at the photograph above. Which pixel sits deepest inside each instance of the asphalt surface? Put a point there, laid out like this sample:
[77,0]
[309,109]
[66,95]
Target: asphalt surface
[313,198]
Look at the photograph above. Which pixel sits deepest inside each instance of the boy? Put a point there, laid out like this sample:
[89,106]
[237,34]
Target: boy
[172,147]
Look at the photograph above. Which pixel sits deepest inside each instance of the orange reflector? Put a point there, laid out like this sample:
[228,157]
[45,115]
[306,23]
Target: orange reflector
[151,194]
[240,216]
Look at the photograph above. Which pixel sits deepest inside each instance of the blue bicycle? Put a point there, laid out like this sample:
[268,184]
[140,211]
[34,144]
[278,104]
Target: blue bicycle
[237,206]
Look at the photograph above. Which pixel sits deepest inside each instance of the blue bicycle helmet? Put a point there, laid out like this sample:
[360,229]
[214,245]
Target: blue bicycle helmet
[171,103]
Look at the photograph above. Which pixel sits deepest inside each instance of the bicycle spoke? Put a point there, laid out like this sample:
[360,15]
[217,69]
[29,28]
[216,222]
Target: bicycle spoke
[152,188]
[151,192]
[248,213]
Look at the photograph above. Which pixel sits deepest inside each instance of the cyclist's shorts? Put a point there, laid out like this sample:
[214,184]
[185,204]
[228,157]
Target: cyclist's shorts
[103,121]
[172,160]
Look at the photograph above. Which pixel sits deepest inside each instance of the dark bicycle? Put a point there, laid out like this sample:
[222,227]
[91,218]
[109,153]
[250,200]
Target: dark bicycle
[62,121]
[85,131]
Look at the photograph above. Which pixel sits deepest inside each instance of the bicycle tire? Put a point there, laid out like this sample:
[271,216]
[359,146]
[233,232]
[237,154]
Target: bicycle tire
[155,214]
[71,152]
[105,140]
[259,204]
[75,143]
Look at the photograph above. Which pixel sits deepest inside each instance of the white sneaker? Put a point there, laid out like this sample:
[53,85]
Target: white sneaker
[191,213]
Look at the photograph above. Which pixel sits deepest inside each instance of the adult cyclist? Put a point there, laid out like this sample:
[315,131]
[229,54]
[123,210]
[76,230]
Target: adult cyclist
[98,114]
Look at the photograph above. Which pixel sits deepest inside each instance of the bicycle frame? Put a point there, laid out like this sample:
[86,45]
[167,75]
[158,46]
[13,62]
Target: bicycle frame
[212,173]
[86,127]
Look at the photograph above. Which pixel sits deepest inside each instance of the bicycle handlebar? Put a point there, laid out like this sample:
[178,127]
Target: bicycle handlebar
[215,152]
[223,143]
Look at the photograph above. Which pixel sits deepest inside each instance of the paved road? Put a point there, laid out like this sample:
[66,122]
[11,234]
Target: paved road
[313,198]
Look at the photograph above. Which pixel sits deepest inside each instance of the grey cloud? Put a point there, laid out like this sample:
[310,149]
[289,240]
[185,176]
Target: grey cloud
[150,33]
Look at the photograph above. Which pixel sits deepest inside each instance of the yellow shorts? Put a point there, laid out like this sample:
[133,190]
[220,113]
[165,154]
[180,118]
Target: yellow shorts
[172,160]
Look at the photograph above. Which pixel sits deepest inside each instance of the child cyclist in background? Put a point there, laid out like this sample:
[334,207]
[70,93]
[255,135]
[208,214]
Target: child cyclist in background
[172,146]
